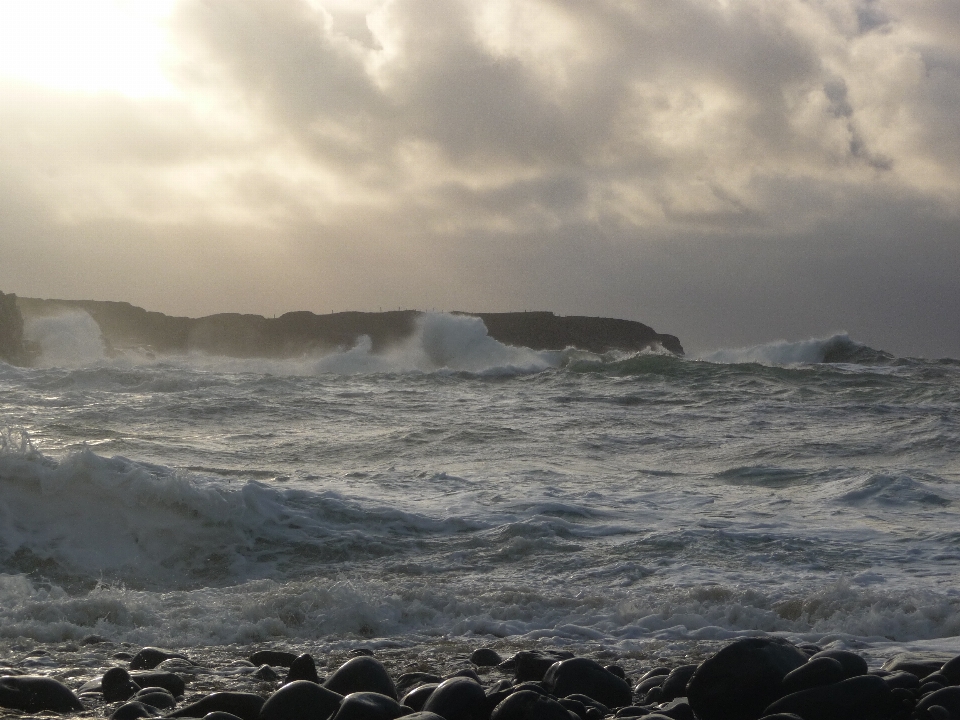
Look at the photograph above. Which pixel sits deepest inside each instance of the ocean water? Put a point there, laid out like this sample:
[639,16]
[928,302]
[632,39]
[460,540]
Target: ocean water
[459,490]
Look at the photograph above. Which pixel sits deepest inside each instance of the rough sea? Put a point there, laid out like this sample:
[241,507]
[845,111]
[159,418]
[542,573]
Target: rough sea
[459,492]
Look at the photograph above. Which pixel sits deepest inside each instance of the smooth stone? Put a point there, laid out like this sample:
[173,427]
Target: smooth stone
[902,679]
[588,702]
[417,697]
[149,657]
[265,672]
[361,674]
[948,697]
[574,706]
[852,664]
[34,693]
[866,697]
[273,657]
[675,684]
[938,712]
[587,677]
[134,710]
[743,678]
[485,657]
[782,716]
[632,711]
[301,700]
[951,670]
[644,686]
[532,664]
[937,677]
[423,716]
[157,697]
[616,670]
[929,687]
[816,672]
[116,684]
[529,705]
[162,679]
[220,715]
[303,668]
[458,698]
[244,705]
[467,673]
[920,664]
[678,709]
[655,672]
[411,680]
[369,706]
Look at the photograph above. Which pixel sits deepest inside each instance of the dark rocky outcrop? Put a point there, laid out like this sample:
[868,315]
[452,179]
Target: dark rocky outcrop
[12,349]
[294,334]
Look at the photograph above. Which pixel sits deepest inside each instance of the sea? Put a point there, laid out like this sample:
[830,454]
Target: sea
[454,491]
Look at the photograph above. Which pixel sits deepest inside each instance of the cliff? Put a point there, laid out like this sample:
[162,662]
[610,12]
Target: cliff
[12,349]
[296,333]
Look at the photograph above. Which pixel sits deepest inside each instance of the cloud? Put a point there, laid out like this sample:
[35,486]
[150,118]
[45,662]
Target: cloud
[735,169]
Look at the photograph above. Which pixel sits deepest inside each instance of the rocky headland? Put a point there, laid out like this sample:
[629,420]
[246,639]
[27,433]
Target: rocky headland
[295,334]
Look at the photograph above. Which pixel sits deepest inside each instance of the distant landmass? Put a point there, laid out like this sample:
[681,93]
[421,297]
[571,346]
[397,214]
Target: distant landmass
[295,334]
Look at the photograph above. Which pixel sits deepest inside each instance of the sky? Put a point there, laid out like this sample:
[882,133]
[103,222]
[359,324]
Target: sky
[729,171]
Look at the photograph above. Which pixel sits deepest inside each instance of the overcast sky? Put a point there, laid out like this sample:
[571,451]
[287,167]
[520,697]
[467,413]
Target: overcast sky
[729,171]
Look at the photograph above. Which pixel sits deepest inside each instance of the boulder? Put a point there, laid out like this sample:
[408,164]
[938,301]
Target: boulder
[361,674]
[743,678]
[33,693]
[590,678]
[866,697]
[301,700]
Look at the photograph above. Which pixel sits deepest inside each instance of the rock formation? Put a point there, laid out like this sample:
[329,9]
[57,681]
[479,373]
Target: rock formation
[297,333]
[11,331]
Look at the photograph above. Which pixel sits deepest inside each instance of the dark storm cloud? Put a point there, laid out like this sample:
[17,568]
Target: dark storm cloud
[730,171]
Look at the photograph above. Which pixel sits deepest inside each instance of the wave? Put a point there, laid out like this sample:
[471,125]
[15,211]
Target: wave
[441,342]
[837,349]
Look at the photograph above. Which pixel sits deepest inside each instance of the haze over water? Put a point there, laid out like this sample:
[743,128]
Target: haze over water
[637,502]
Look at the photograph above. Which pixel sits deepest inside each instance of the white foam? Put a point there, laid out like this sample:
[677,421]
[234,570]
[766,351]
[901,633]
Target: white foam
[71,339]
[780,352]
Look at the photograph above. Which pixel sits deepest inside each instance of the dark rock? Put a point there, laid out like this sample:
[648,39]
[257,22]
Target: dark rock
[810,648]
[458,698]
[948,697]
[951,670]
[485,657]
[657,671]
[278,658]
[134,710]
[410,680]
[587,677]
[157,697]
[33,693]
[938,712]
[574,706]
[12,349]
[122,656]
[532,664]
[361,674]
[616,670]
[529,705]
[467,673]
[644,686]
[675,684]
[265,672]
[301,700]
[244,705]
[782,716]
[220,715]
[588,702]
[937,677]
[929,687]
[631,711]
[901,679]
[418,696]
[534,685]
[866,697]
[920,664]
[303,668]
[816,672]
[678,709]
[369,706]
[158,678]
[423,716]
[852,664]
[117,685]
[743,678]
[149,657]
